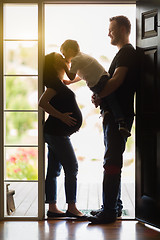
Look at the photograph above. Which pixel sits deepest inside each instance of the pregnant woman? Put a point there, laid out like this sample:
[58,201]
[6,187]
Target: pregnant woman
[64,119]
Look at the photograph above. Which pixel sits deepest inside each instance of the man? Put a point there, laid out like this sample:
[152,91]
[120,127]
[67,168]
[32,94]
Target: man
[123,83]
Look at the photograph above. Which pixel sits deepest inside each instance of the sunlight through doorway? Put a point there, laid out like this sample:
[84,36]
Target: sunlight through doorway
[88,24]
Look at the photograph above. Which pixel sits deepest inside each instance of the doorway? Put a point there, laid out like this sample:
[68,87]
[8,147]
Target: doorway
[91,33]
[88,24]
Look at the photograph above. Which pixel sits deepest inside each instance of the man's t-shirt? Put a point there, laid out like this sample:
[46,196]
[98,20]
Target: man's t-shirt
[126,57]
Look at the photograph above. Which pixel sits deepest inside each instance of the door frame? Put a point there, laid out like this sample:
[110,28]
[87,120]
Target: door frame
[1,115]
[41,53]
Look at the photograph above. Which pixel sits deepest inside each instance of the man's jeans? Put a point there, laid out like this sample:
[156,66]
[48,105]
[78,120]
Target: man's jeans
[60,153]
[113,161]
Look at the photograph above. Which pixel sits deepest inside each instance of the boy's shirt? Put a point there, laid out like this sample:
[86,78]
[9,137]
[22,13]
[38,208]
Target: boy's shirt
[87,68]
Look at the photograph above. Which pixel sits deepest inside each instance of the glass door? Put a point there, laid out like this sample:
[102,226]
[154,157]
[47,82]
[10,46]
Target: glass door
[21,83]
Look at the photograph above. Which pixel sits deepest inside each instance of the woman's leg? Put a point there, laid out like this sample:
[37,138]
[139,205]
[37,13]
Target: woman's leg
[63,154]
[69,162]
[60,149]
[53,171]
[70,166]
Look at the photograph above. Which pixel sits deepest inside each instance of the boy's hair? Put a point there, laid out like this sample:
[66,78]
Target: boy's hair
[72,44]
[122,21]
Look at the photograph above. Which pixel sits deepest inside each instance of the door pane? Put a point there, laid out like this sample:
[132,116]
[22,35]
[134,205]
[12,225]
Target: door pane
[21,57]
[21,163]
[21,128]
[21,93]
[25,199]
[21,21]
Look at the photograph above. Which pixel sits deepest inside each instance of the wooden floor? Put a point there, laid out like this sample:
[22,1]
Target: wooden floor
[74,230]
[89,196]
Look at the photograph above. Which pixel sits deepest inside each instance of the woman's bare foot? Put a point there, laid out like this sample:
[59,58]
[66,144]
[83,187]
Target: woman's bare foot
[53,208]
[73,209]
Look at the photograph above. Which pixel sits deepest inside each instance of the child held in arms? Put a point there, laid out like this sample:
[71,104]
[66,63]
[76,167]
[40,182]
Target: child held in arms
[85,67]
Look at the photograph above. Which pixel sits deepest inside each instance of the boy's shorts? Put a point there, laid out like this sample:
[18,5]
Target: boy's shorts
[100,85]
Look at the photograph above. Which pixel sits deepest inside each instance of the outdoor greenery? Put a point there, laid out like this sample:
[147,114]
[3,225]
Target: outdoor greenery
[16,99]
[22,165]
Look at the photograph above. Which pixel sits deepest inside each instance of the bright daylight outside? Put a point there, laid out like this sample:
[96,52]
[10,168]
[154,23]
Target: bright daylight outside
[88,24]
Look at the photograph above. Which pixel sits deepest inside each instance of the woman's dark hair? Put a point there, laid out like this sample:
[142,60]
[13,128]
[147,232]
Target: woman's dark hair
[122,21]
[50,75]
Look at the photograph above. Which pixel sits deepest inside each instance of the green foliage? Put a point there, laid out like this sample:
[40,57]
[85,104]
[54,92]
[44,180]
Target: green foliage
[15,93]
[27,56]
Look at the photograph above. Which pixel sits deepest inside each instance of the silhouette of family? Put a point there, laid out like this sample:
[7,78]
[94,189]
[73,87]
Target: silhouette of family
[113,92]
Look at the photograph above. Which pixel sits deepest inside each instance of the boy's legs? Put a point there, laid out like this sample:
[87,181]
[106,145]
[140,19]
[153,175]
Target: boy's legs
[100,85]
[118,115]
[113,104]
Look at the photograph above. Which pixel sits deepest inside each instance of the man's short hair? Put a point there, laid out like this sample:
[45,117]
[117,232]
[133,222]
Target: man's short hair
[72,44]
[122,21]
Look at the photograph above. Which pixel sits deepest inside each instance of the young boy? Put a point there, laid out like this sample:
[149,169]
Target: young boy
[90,70]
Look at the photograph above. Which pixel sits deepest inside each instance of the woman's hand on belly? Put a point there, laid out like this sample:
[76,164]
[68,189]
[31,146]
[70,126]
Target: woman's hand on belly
[68,119]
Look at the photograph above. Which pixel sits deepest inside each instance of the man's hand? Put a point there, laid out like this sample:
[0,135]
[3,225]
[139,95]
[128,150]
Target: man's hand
[95,100]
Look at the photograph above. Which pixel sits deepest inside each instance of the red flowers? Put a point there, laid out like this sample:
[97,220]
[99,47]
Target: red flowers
[22,164]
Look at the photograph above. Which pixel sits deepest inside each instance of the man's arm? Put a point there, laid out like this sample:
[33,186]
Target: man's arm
[114,82]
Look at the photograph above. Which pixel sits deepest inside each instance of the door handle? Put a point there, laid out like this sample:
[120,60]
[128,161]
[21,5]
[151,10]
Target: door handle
[158,23]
